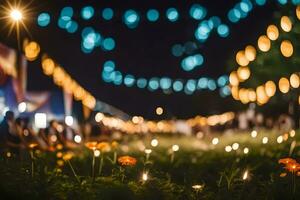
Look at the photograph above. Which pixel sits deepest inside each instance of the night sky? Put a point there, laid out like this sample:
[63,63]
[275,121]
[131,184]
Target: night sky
[144,52]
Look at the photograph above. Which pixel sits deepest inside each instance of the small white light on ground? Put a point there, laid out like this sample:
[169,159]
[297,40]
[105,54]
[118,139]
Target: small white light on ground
[96,153]
[246,150]
[235,146]
[154,142]
[245,175]
[215,141]
[145,177]
[99,117]
[254,133]
[279,139]
[228,148]
[292,133]
[148,151]
[175,147]
[265,140]
[77,138]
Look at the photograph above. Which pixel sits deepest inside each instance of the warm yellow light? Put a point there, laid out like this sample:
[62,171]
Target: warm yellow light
[270,88]
[264,43]
[250,53]
[272,32]
[243,73]
[295,81]
[261,95]
[241,59]
[298,12]
[233,78]
[32,50]
[252,95]
[48,66]
[244,95]
[16,15]
[286,24]
[286,48]
[235,92]
[284,85]
[159,110]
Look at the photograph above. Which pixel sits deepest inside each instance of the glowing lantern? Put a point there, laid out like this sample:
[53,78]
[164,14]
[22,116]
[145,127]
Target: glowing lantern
[298,12]
[270,88]
[286,48]
[241,58]
[250,53]
[295,81]
[233,78]
[286,24]
[272,32]
[264,43]
[243,73]
[284,85]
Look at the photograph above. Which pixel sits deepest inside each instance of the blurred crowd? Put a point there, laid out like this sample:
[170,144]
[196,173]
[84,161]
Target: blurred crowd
[18,133]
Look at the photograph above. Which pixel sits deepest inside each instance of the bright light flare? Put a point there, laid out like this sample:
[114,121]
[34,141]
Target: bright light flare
[16,15]
[246,175]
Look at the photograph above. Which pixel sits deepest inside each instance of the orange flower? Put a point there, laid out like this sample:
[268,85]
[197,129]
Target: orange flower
[32,145]
[127,161]
[292,167]
[91,145]
[103,146]
[286,161]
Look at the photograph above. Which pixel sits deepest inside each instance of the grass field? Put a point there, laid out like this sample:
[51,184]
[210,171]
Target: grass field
[197,170]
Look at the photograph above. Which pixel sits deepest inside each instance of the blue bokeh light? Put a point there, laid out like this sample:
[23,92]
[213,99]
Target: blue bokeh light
[172,14]
[109,44]
[87,12]
[197,12]
[131,18]
[43,19]
[153,84]
[223,30]
[152,15]
[67,12]
[165,83]
[177,86]
[129,80]
[141,83]
[107,13]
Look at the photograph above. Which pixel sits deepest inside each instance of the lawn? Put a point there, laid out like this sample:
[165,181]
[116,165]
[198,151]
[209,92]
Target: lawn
[193,168]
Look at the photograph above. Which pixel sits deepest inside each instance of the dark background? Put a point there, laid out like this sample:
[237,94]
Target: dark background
[144,51]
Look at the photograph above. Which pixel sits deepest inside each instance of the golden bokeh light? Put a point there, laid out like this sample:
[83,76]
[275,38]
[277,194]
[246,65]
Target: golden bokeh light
[298,12]
[235,92]
[270,88]
[261,95]
[159,110]
[284,85]
[233,78]
[32,50]
[286,48]
[295,80]
[272,32]
[286,24]
[252,95]
[243,73]
[264,43]
[48,66]
[241,59]
[250,53]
